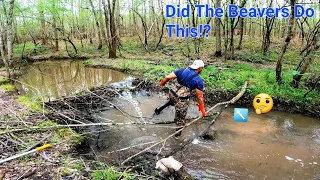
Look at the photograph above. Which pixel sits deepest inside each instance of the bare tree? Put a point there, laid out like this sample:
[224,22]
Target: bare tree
[55,29]
[310,54]
[97,24]
[42,22]
[10,34]
[217,23]
[113,32]
[2,42]
[106,18]
[163,24]
[145,30]
[286,44]
[241,20]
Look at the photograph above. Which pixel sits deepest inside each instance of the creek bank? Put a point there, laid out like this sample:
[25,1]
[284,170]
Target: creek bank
[153,71]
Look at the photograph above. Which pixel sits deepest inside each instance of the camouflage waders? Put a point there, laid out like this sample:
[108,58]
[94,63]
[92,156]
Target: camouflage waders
[179,96]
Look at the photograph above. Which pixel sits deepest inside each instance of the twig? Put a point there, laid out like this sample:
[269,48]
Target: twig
[212,122]
[38,143]
[20,140]
[120,177]
[22,176]
[123,149]
[73,125]
[164,143]
[232,101]
[61,114]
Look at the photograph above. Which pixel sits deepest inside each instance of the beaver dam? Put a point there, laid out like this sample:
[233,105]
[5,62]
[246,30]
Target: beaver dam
[277,145]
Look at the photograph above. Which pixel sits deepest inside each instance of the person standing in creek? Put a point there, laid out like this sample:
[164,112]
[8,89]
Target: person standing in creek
[179,94]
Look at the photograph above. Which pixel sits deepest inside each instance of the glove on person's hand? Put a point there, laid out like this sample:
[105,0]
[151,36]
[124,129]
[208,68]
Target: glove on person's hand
[201,108]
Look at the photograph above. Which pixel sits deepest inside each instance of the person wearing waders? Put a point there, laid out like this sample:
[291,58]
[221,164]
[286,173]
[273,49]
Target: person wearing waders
[179,94]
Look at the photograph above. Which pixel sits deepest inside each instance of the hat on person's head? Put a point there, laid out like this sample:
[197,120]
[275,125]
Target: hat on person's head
[197,64]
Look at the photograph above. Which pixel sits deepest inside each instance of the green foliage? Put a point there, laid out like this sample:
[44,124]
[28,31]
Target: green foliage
[4,80]
[7,87]
[133,46]
[67,135]
[107,174]
[34,103]
[124,65]
[89,62]
[257,57]
[132,65]
[158,72]
[47,124]
[262,81]
[29,48]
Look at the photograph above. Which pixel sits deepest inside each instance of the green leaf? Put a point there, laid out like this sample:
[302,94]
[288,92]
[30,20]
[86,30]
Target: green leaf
[295,73]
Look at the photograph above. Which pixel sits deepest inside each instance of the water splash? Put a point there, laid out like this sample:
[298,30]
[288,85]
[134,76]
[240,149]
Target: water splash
[126,95]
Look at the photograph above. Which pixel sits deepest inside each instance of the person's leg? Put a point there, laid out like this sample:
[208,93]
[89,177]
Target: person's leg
[181,113]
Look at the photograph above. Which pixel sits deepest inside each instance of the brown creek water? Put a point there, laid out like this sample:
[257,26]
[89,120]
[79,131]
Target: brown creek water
[56,79]
[277,145]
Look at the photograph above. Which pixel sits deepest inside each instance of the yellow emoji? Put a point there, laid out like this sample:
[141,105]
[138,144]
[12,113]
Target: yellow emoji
[262,103]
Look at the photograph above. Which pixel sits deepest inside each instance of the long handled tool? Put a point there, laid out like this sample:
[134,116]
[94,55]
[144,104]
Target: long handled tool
[160,108]
[25,153]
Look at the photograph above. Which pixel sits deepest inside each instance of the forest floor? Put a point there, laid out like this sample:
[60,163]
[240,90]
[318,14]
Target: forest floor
[21,112]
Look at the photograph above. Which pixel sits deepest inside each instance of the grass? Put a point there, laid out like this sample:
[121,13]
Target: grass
[4,80]
[34,103]
[110,173]
[7,87]
[262,81]
[29,49]
[231,79]
[67,135]
[89,62]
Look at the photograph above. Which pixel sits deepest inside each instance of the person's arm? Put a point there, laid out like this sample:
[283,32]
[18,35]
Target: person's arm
[200,100]
[167,78]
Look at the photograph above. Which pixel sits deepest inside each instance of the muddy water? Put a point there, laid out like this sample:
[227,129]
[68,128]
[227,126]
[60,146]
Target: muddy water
[55,79]
[274,146]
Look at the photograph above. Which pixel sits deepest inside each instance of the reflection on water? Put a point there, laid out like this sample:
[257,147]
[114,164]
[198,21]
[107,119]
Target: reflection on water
[55,79]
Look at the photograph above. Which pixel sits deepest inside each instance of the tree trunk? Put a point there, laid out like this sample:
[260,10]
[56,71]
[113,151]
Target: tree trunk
[113,33]
[106,18]
[97,24]
[241,33]
[233,27]
[308,57]
[266,36]
[42,22]
[241,20]
[306,61]
[102,28]
[267,33]
[145,30]
[10,34]
[217,22]
[287,41]
[162,27]
[55,30]
[2,42]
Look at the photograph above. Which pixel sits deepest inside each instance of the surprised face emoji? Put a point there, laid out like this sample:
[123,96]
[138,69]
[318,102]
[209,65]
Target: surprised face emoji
[262,103]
